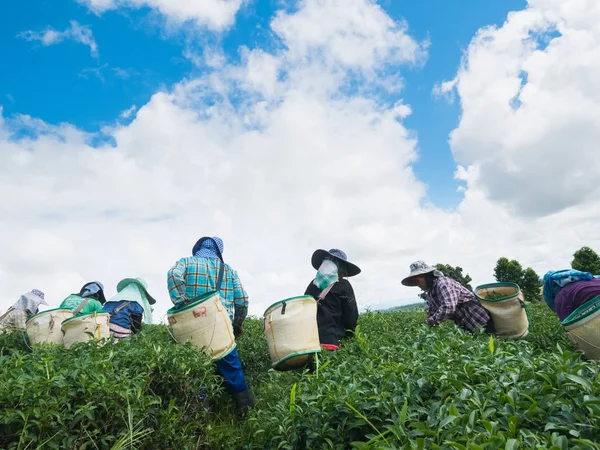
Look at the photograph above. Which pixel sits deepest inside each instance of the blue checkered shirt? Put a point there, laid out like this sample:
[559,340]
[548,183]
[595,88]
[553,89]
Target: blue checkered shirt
[191,277]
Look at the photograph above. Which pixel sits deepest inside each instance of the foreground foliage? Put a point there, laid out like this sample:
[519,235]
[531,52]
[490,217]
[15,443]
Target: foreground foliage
[398,384]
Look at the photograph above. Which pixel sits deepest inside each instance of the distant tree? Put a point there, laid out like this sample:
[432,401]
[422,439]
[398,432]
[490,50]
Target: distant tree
[456,273]
[508,271]
[586,260]
[530,285]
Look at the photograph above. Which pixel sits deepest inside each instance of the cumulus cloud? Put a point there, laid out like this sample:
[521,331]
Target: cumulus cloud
[530,97]
[214,14]
[278,155]
[75,32]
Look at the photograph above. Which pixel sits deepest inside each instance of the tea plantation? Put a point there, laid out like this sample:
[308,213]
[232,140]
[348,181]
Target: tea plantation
[398,384]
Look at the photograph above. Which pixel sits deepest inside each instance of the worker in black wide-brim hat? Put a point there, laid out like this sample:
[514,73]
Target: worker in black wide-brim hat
[337,312]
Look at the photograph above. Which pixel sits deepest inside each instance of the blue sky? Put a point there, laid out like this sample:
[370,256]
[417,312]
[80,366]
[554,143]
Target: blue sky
[137,57]
[282,150]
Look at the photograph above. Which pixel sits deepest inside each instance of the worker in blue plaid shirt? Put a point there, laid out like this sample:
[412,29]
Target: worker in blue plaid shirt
[196,275]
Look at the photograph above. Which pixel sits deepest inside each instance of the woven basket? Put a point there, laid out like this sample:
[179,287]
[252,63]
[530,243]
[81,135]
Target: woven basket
[45,327]
[206,324]
[583,328]
[85,328]
[508,312]
[292,332]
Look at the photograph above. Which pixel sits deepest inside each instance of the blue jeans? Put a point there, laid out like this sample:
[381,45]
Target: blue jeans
[230,368]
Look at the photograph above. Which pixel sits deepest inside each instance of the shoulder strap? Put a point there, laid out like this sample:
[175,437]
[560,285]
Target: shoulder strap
[6,313]
[325,291]
[220,279]
[118,309]
[80,307]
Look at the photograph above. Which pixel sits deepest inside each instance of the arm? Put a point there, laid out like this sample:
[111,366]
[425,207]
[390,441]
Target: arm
[447,298]
[309,289]
[176,281]
[240,302]
[349,310]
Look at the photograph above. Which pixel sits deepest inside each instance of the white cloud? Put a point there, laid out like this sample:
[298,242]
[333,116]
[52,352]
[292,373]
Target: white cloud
[531,107]
[348,35]
[214,14]
[278,156]
[128,112]
[76,32]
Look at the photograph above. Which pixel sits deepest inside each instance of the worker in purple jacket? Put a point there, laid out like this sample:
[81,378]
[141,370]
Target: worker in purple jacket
[574,295]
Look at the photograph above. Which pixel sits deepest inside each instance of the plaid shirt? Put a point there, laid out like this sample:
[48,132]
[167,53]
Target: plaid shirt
[193,276]
[448,299]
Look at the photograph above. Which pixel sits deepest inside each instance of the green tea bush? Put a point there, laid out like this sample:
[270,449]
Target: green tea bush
[91,397]
[397,384]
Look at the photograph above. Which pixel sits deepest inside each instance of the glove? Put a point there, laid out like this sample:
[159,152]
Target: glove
[237,331]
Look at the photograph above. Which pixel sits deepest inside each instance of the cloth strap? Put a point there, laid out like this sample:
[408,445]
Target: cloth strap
[80,307]
[6,313]
[220,279]
[324,292]
[120,307]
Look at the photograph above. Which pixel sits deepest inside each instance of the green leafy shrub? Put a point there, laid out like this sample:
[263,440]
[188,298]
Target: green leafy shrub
[397,384]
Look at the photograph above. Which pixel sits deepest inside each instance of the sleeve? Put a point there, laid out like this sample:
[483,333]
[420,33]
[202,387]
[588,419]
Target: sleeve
[240,301]
[309,290]
[349,310]
[91,307]
[176,281]
[448,300]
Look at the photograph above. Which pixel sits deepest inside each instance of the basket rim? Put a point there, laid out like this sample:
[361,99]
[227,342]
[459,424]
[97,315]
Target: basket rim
[584,311]
[298,297]
[500,284]
[199,299]
[293,355]
[47,311]
[81,316]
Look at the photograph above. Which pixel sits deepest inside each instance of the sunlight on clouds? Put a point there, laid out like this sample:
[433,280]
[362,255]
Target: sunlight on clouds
[278,156]
[215,14]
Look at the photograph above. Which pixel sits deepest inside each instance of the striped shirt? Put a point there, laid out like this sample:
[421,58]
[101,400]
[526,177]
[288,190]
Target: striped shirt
[448,299]
[191,277]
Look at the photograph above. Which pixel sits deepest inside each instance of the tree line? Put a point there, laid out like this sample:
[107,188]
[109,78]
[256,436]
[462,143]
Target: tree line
[511,271]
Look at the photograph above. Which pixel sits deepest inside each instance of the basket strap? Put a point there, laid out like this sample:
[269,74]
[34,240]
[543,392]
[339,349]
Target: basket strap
[80,307]
[324,292]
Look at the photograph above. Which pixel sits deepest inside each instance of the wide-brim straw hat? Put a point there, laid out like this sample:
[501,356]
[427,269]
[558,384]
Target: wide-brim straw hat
[131,294]
[338,256]
[418,268]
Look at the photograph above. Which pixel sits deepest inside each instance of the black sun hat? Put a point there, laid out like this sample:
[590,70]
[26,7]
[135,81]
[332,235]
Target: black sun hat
[338,256]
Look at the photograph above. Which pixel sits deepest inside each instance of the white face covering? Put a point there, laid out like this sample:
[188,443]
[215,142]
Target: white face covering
[327,274]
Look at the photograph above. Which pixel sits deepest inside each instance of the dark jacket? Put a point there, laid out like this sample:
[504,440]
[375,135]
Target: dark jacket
[336,313]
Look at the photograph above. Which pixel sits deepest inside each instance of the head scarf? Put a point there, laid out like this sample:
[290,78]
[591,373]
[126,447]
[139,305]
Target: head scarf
[327,274]
[30,301]
[93,289]
[208,248]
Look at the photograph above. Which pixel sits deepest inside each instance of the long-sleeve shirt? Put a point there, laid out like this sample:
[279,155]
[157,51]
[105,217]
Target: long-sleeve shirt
[73,301]
[575,294]
[193,276]
[448,299]
[336,313]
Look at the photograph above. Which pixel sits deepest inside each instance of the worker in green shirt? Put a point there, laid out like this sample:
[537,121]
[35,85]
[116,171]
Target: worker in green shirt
[89,300]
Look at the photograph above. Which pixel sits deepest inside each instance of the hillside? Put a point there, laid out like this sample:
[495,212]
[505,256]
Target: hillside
[398,384]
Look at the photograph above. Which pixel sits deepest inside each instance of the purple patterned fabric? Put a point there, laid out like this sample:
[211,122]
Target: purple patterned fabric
[448,299]
[575,294]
